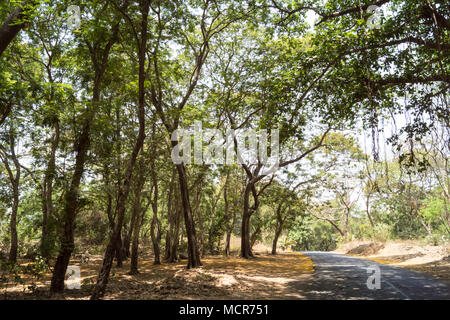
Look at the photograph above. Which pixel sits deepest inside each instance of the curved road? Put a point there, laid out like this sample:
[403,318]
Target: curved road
[339,277]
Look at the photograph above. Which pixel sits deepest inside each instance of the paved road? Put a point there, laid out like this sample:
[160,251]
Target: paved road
[339,277]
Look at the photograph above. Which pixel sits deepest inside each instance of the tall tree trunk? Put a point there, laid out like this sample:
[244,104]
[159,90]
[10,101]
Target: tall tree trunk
[227,243]
[278,229]
[246,250]
[368,208]
[128,237]
[193,253]
[15,181]
[136,229]
[346,219]
[47,239]
[118,251]
[47,242]
[370,189]
[227,217]
[137,217]
[71,202]
[230,216]
[70,208]
[275,241]
[71,197]
[99,289]
[202,247]
[171,220]
[176,235]
[13,224]
[103,277]
[175,215]
[15,207]
[81,147]
[135,246]
[155,224]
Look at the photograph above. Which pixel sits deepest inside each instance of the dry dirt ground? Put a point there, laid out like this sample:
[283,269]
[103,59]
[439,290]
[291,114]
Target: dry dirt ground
[264,277]
[434,260]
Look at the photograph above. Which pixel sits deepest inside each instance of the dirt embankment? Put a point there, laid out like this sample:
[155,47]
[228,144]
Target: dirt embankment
[434,260]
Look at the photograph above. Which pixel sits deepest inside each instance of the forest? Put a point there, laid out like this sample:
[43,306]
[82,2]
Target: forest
[176,132]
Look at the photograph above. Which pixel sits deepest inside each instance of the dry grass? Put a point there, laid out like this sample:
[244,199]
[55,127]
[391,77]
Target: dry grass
[264,277]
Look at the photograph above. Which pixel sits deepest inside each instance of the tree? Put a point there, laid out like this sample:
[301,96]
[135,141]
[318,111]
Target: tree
[99,50]
[14,178]
[15,22]
[212,19]
[286,205]
[102,281]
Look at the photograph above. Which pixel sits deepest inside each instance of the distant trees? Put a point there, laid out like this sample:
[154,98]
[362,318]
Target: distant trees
[287,206]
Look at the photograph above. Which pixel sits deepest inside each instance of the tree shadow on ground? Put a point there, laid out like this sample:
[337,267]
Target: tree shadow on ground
[263,277]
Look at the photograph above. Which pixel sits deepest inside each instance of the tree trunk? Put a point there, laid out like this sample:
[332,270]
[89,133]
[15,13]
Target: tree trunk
[128,237]
[176,237]
[14,179]
[227,216]
[275,240]
[170,219]
[13,24]
[347,214]
[102,281]
[169,235]
[137,216]
[81,147]
[202,247]
[426,227]
[155,230]
[254,236]
[155,227]
[368,208]
[119,254]
[71,198]
[47,242]
[71,204]
[118,251]
[336,227]
[13,221]
[175,216]
[227,243]
[127,245]
[232,223]
[246,251]
[193,253]
[136,229]
[278,228]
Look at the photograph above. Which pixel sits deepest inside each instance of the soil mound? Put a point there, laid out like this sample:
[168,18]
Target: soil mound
[366,249]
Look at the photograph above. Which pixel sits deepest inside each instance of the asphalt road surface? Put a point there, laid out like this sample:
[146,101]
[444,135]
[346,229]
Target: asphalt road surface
[342,277]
